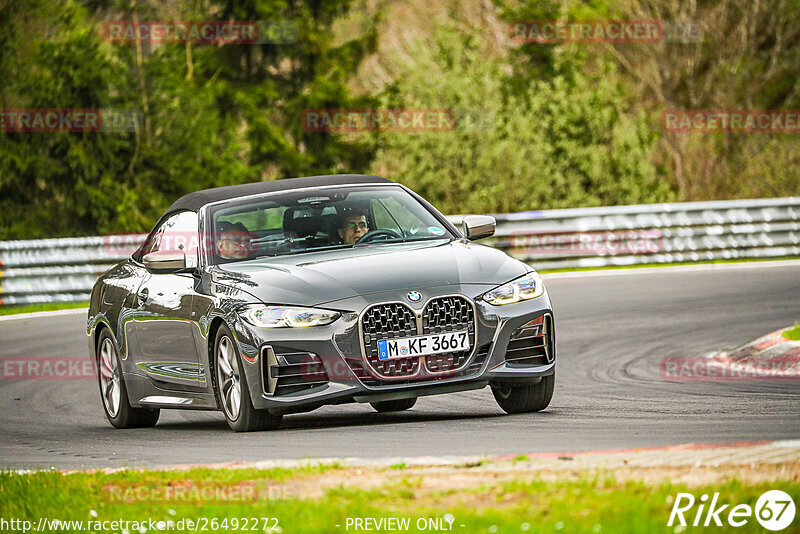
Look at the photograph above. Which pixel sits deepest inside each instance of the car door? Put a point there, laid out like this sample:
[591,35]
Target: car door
[165,348]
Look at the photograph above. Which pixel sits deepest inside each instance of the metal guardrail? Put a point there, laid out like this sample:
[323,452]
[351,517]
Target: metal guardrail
[64,270]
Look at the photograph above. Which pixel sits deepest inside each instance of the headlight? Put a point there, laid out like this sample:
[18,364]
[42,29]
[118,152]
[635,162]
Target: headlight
[526,287]
[287,316]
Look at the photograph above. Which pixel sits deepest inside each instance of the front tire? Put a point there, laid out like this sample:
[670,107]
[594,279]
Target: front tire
[525,399]
[233,393]
[114,392]
[393,405]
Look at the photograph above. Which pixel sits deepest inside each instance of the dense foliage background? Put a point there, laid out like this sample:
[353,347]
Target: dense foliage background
[538,126]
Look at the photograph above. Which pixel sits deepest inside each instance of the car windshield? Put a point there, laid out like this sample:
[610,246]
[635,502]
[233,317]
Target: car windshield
[303,221]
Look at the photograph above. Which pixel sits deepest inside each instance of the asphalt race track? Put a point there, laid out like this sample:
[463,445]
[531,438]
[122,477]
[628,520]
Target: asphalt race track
[613,330]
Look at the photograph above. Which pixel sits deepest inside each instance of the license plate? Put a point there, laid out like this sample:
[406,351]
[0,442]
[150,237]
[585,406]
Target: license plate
[422,345]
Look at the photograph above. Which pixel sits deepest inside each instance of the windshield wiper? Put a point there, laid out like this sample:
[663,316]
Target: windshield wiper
[303,251]
[403,240]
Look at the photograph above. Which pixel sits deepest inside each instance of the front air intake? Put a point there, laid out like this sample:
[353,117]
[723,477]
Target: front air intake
[533,343]
[287,372]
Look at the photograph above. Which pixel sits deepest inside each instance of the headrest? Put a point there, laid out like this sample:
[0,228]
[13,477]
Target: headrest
[300,222]
[224,226]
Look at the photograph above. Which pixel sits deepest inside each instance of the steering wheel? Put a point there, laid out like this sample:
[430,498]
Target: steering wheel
[378,235]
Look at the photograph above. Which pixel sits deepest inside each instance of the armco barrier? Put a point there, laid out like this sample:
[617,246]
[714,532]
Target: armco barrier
[63,270]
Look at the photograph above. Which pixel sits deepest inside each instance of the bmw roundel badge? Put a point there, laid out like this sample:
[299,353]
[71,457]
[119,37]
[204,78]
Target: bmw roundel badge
[414,296]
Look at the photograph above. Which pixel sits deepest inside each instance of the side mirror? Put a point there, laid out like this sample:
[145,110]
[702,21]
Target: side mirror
[478,226]
[165,262]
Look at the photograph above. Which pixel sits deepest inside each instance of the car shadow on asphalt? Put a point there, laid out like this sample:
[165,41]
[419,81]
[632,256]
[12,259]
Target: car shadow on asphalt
[312,421]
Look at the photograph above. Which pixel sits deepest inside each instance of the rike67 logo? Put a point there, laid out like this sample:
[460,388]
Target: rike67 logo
[774,510]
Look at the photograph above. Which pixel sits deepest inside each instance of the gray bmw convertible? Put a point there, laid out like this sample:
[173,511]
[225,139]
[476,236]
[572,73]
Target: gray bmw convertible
[279,297]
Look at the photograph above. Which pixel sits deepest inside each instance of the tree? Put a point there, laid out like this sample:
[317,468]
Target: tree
[733,54]
[201,116]
[272,84]
[567,140]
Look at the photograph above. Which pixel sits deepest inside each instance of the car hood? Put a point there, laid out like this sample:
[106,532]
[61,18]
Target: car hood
[312,279]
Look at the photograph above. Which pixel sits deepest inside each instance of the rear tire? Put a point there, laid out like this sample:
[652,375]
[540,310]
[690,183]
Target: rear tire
[525,399]
[114,392]
[393,405]
[231,388]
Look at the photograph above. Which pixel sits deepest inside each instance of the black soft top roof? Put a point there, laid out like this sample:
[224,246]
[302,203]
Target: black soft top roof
[196,200]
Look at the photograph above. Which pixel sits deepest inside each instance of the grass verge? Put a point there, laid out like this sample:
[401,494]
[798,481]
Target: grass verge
[793,333]
[592,502]
[50,306]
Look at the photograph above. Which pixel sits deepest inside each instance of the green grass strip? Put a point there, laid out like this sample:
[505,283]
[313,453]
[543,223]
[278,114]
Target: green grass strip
[50,306]
[587,504]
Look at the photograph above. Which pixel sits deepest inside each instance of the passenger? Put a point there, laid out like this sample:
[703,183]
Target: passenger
[352,226]
[233,241]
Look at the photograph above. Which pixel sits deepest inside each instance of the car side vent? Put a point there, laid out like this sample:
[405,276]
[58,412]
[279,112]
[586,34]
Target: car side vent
[532,343]
[291,372]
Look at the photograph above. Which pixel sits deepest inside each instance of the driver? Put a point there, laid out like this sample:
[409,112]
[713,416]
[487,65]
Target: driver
[233,241]
[352,226]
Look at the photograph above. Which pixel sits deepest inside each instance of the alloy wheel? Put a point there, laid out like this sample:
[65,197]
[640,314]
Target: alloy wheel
[109,377]
[228,375]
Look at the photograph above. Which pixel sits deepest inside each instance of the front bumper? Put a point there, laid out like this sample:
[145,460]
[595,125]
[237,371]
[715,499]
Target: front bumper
[291,369]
